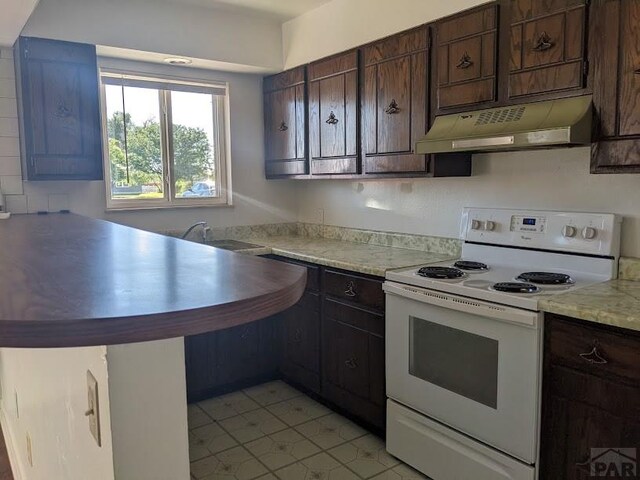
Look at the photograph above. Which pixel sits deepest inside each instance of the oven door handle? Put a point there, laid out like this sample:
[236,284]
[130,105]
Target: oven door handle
[463,304]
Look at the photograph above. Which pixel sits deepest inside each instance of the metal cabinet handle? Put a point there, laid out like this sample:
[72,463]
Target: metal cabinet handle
[543,43]
[594,356]
[465,61]
[332,120]
[392,108]
[350,291]
[351,363]
[62,111]
[637,71]
[283,127]
[297,336]
[246,332]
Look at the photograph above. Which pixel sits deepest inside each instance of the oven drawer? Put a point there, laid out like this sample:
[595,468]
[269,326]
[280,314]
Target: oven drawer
[442,453]
[593,350]
[365,291]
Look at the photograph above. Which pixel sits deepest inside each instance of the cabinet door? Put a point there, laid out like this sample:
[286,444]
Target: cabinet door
[301,339]
[200,361]
[614,43]
[285,123]
[547,46]
[60,110]
[394,103]
[333,120]
[465,59]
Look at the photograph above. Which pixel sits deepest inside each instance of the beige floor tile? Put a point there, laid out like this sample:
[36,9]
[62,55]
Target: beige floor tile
[252,425]
[233,464]
[330,431]
[318,467]
[212,437]
[366,456]
[298,410]
[401,472]
[272,392]
[268,476]
[282,448]
[226,406]
[196,417]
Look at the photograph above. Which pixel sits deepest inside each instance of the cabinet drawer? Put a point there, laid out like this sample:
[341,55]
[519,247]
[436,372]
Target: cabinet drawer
[593,350]
[355,317]
[365,291]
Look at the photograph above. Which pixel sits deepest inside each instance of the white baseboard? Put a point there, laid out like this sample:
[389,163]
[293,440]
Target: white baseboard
[11,447]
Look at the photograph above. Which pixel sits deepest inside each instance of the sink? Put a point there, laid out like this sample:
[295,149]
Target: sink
[232,244]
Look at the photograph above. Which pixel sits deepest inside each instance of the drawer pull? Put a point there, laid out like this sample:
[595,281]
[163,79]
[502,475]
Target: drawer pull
[350,290]
[297,336]
[392,108]
[593,357]
[637,71]
[351,363]
[465,61]
[332,120]
[543,43]
[283,127]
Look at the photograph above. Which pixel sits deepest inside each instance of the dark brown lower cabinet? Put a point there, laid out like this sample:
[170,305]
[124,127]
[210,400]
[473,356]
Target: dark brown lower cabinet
[226,360]
[330,344]
[591,401]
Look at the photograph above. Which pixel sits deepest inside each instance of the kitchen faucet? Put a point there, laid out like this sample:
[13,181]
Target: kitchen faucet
[205,230]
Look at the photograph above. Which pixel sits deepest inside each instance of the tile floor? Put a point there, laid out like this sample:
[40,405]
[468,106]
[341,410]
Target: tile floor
[272,431]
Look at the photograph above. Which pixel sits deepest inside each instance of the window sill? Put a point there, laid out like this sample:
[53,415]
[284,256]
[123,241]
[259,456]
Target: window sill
[127,208]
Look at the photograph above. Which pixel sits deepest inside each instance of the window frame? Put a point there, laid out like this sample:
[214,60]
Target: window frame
[221,144]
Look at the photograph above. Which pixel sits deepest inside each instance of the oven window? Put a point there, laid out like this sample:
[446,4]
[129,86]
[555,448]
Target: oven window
[462,362]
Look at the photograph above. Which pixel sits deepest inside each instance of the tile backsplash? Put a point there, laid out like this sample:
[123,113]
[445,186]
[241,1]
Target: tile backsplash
[10,169]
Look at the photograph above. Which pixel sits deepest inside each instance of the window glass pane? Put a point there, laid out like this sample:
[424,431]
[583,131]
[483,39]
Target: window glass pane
[193,145]
[462,362]
[135,146]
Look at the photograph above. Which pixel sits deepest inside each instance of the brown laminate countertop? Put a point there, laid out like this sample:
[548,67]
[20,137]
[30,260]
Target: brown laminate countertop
[68,280]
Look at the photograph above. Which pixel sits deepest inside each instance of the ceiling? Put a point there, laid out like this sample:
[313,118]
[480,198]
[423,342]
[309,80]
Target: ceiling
[282,10]
[13,16]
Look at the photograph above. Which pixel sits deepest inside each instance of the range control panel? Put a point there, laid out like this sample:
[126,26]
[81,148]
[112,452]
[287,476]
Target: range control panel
[587,233]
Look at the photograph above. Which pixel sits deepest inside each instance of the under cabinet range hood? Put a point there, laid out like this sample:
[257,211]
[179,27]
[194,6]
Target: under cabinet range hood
[543,124]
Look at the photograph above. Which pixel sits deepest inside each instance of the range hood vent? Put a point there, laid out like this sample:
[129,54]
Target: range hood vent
[543,124]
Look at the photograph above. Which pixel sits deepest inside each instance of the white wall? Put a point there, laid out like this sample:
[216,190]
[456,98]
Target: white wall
[255,199]
[343,24]
[550,179]
[50,386]
[555,179]
[161,26]
[148,400]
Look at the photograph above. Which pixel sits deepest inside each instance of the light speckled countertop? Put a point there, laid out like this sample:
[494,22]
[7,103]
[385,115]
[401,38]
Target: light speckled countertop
[615,303]
[353,256]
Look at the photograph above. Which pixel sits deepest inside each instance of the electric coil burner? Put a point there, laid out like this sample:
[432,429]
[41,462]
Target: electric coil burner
[471,266]
[545,278]
[516,287]
[446,273]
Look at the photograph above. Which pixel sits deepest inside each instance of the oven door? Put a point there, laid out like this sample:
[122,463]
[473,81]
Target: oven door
[469,364]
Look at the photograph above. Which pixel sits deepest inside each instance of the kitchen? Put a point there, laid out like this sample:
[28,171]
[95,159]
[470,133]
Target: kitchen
[366,214]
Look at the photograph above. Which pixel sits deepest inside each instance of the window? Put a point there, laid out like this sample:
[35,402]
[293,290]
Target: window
[165,142]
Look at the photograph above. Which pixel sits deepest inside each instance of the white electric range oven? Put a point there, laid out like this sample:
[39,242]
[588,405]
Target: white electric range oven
[464,339]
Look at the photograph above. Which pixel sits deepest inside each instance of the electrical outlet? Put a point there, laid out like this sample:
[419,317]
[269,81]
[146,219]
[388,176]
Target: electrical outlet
[93,408]
[29,450]
[320,216]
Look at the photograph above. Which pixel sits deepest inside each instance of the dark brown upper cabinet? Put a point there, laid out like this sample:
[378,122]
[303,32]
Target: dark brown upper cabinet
[333,115]
[547,40]
[615,48]
[394,103]
[464,64]
[59,110]
[285,124]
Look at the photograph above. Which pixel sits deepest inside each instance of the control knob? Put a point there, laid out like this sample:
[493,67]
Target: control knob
[489,225]
[568,231]
[589,233]
[475,225]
